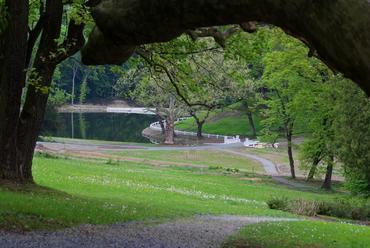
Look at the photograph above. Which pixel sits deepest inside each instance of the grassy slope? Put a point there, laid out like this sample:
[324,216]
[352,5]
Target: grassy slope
[87,192]
[226,123]
[234,121]
[74,192]
[207,158]
[310,234]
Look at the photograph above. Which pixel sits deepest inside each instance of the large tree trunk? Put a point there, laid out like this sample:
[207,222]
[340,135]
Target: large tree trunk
[34,108]
[122,25]
[290,152]
[47,58]
[329,172]
[11,85]
[31,120]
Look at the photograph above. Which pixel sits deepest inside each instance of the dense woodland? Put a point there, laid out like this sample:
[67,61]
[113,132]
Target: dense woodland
[201,71]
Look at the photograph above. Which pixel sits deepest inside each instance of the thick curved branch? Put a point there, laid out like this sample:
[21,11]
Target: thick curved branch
[338,30]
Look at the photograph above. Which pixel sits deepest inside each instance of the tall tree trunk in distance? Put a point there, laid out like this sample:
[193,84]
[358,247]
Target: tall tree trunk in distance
[12,80]
[251,124]
[161,123]
[313,169]
[329,172]
[170,130]
[200,129]
[250,120]
[290,151]
[200,122]
[74,72]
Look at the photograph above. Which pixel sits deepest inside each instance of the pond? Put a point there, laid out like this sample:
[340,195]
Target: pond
[98,126]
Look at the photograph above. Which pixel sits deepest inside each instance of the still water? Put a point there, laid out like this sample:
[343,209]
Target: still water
[98,126]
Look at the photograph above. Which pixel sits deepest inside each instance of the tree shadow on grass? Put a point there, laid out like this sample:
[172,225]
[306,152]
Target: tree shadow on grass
[28,207]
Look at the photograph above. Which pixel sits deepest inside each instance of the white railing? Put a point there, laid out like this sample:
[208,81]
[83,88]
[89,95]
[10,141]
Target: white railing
[157,127]
[227,139]
[146,111]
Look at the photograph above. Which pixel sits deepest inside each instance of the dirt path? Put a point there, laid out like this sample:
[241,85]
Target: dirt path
[200,231]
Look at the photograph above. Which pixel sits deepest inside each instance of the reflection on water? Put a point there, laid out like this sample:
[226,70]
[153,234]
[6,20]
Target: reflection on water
[98,126]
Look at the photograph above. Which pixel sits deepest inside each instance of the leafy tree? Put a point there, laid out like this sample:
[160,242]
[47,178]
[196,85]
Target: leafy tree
[33,41]
[288,73]
[319,147]
[201,78]
[153,90]
[352,136]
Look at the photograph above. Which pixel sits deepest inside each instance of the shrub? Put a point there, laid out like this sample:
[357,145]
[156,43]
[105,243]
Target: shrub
[346,208]
[303,207]
[46,155]
[232,170]
[279,203]
[350,208]
[112,162]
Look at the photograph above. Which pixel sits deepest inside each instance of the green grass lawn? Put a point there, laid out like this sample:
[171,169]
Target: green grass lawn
[72,192]
[234,121]
[223,123]
[310,234]
[207,158]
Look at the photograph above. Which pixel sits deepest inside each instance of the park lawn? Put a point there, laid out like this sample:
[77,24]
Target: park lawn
[73,192]
[198,157]
[303,234]
[224,123]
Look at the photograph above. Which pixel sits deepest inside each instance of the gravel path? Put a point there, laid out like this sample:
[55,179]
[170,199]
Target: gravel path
[271,170]
[267,165]
[80,146]
[200,231]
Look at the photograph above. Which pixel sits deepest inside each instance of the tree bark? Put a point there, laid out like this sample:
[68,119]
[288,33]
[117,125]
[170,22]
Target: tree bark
[170,130]
[11,85]
[290,152]
[47,58]
[38,90]
[328,176]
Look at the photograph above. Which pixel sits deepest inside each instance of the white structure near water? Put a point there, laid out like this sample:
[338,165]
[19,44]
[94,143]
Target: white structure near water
[227,139]
[142,111]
